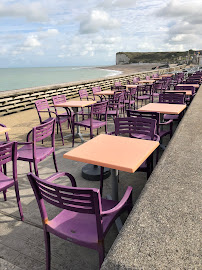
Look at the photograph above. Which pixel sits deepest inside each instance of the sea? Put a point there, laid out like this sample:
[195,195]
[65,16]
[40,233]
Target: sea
[19,78]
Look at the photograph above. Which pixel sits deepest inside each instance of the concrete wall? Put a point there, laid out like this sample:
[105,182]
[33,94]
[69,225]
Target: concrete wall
[163,230]
[19,100]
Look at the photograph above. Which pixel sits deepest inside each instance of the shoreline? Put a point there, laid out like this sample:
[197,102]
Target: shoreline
[131,68]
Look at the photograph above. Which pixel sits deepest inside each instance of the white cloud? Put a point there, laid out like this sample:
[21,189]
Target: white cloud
[33,11]
[97,20]
[32,42]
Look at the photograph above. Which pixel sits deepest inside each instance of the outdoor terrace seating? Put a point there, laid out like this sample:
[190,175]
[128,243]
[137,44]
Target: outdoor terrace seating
[63,252]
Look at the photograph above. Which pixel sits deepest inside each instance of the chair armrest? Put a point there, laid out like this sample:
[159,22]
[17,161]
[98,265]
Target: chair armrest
[24,143]
[166,123]
[157,137]
[127,196]
[60,174]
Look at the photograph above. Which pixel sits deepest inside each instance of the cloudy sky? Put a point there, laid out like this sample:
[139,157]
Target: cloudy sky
[90,32]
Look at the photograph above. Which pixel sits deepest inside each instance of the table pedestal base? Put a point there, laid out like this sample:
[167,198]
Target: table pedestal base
[92,172]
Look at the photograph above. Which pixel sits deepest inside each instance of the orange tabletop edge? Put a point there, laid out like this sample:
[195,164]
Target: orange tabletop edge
[115,152]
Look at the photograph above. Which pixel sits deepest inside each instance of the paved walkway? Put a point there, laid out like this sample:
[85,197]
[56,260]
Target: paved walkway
[22,243]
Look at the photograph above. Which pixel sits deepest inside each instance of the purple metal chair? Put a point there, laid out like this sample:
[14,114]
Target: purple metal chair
[172,98]
[136,79]
[67,116]
[85,218]
[116,105]
[157,88]
[143,93]
[83,94]
[130,98]
[8,152]
[159,125]
[94,120]
[139,128]
[33,153]
[43,107]
[147,77]
[96,89]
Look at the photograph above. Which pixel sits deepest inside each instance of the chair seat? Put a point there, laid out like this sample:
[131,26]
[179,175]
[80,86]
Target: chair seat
[79,227]
[95,123]
[5,182]
[171,116]
[25,153]
[141,136]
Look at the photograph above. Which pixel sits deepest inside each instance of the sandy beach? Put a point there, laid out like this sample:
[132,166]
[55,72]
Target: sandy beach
[132,68]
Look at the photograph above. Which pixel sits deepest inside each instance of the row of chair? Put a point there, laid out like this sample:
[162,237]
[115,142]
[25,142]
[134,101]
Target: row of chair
[94,214]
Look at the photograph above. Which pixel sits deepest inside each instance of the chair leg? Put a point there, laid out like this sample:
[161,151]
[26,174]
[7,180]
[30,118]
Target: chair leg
[72,135]
[4,193]
[91,133]
[36,168]
[30,166]
[101,251]
[48,250]
[55,163]
[18,200]
[101,179]
[61,133]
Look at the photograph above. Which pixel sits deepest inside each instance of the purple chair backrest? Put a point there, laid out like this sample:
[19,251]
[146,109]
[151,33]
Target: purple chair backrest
[83,94]
[117,83]
[8,152]
[96,89]
[152,115]
[99,108]
[136,79]
[42,105]
[119,96]
[135,125]
[59,99]
[172,98]
[78,200]
[147,77]
[39,133]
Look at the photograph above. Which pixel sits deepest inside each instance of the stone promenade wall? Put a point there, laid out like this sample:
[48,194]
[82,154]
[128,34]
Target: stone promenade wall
[23,99]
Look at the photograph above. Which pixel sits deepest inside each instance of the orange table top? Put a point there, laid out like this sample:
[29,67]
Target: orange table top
[76,103]
[146,81]
[167,75]
[188,92]
[107,93]
[115,152]
[130,85]
[4,129]
[163,108]
[194,85]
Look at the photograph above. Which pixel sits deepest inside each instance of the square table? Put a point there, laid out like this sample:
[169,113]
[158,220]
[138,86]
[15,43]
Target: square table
[75,105]
[115,152]
[189,84]
[130,86]
[105,93]
[163,108]
[146,81]
[167,75]
[187,92]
